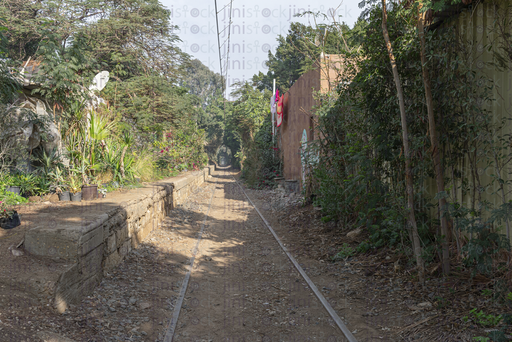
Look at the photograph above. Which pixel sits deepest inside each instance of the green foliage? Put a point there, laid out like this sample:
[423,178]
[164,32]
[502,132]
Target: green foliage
[251,123]
[10,198]
[150,103]
[487,292]
[481,339]
[297,52]
[485,243]
[363,247]
[345,252]
[132,39]
[441,302]
[359,178]
[64,71]
[152,90]
[99,126]
[8,84]
[482,319]
[498,336]
[182,149]
[27,182]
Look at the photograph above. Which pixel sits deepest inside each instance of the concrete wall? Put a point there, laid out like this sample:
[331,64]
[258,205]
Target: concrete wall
[105,234]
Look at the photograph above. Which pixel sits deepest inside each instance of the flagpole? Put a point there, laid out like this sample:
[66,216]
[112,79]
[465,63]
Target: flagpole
[273,119]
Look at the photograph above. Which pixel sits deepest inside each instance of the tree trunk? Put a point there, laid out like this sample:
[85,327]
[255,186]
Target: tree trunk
[438,168]
[455,200]
[121,162]
[411,221]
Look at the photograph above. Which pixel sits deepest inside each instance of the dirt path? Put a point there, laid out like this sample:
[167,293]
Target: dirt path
[243,287]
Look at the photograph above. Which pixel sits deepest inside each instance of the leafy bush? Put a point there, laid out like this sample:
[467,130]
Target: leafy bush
[27,182]
[363,247]
[261,163]
[10,198]
[181,150]
[485,242]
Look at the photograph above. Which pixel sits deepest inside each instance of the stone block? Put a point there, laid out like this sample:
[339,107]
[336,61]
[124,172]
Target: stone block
[111,261]
[111,243]
[90,264]
[52,242]
[125,249]
[122,234]
[91,240]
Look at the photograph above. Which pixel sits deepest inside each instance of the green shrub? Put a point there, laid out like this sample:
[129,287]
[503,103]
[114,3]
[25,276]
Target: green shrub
[345,252]
[10,198]
[27,182]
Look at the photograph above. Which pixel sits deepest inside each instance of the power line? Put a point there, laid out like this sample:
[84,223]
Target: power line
[229,39]
[224,67]
[218,36]
[226,59]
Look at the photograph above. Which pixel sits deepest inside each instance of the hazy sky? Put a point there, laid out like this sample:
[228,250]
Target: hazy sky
[255,27]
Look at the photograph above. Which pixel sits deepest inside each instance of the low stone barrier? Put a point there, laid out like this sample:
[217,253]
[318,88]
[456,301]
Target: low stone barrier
[97,235]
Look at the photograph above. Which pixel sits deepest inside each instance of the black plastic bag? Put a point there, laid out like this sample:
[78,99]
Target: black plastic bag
[10,222]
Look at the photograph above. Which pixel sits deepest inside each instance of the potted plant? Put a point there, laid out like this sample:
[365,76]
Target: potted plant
[27,183]
[102,193]
[89,192]
[9,184]
[74,188]
[8,218]
[63,194]
[57,177]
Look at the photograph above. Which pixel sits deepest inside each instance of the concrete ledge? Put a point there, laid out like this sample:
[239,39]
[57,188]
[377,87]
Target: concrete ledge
[93,237]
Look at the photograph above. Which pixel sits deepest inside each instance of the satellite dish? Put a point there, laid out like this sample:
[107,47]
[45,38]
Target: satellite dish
[99,81]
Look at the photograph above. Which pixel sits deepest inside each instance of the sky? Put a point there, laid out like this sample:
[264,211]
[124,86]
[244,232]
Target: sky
[254,29]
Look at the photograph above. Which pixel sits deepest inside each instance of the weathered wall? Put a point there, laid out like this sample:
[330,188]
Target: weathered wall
[478,30]
[299,112]
[297,118]
[102,238]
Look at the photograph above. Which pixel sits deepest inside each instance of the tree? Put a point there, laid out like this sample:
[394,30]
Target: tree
[65,70]
[136,33]
[436,156]
[411,222]
[207,88]
[73,40]
[298,51]
[202,82]
[8,83]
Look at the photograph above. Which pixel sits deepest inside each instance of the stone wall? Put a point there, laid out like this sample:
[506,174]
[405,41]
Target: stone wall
[105,233]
